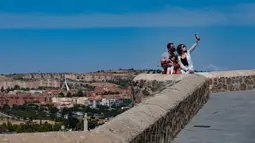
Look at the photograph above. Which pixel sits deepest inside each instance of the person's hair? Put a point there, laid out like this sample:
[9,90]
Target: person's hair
[179,49]
[171,50]
[168,45]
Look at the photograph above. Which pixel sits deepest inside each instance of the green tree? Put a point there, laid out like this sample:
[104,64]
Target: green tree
[72,122]
[2,89]
[53,110]
[16,87]
[45,127]
[61,94]
[20,129]
[10,127]
[92,124]
[6,107]
[68,94]
[79,93]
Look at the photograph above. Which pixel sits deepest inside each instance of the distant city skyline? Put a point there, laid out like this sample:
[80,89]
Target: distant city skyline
[81,36]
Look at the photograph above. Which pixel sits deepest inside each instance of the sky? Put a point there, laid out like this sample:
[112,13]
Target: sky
[83,36]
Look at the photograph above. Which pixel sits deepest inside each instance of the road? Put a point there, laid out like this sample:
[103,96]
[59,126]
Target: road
[5,115]
[226,118]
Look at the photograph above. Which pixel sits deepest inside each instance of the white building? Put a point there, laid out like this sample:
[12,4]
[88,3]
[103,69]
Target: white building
[82,101]
[63,100]
[108,102]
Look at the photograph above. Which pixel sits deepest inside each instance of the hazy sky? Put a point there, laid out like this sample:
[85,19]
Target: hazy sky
[82,36]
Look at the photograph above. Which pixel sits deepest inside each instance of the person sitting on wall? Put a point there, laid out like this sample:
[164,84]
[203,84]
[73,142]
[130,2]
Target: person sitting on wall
[164,65]
[184,57]
[170,66]
[173,67]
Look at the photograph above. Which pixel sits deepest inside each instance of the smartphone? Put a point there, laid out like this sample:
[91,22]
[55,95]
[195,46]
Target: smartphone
[196,36]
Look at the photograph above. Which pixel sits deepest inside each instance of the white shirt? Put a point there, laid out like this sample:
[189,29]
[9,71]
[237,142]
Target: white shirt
[165,55]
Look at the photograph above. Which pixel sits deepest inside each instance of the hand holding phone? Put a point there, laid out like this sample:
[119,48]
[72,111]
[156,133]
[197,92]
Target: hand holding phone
[197,37]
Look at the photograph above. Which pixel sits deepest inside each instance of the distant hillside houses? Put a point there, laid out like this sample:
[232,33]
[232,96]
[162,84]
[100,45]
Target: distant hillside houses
[44,76]
[97,76]
[30,84]
[90,77]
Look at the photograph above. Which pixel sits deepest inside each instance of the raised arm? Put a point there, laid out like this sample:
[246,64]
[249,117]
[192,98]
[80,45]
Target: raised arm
[193,47]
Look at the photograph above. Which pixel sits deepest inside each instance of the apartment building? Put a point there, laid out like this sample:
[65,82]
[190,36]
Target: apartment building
[30,83]
[22,99]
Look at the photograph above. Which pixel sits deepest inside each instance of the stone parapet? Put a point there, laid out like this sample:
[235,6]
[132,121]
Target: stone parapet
[231,80]
[155,120]
[147,85]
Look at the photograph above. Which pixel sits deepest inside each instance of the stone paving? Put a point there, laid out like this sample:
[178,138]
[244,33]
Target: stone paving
[227,117]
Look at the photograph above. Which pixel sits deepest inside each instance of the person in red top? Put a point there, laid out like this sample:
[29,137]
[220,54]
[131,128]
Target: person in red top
[173,67]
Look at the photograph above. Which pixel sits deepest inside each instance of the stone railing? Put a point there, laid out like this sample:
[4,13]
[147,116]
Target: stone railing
[174,100]
[231,80]
[147,85]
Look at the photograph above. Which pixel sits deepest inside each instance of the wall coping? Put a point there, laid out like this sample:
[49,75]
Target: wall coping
[160,77]
[178,77]
[232,73]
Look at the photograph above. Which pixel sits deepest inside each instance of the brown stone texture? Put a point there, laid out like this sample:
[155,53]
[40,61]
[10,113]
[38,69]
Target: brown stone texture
[231,80]
[147,85]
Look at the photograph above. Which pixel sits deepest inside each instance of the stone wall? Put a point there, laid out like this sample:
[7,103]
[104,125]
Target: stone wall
[147,85]
[155,120]
[231,80]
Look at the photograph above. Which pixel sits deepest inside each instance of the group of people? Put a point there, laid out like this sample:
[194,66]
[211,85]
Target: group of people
[181,63]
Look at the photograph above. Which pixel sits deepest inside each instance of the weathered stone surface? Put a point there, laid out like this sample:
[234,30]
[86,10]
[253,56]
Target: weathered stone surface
[231,80]
[146,85]
[182,103]
[242,86]
[58,137]
[163,115]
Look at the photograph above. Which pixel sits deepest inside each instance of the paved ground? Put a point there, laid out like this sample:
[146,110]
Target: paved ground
[225,118]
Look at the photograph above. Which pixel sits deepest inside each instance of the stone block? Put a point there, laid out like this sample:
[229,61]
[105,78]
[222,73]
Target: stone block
[231,80]
[146,85]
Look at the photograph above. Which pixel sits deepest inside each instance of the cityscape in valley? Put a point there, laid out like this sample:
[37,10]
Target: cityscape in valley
[42,102]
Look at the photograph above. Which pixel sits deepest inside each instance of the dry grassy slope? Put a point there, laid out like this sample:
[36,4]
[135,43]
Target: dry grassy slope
[4,77]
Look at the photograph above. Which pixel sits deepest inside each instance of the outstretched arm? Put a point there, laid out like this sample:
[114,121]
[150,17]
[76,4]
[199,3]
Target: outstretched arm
[193,47]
